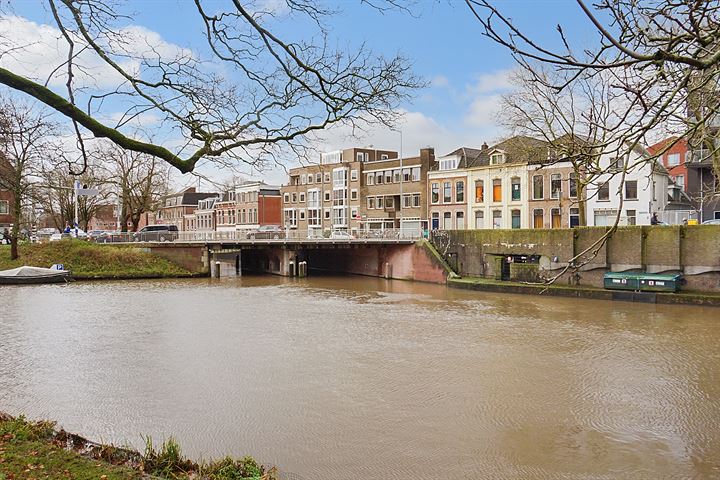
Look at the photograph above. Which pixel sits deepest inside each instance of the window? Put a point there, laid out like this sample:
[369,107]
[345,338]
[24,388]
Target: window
[555,218]
[294,197]
[388,176]
[631,189]
[479,191]
[435,223]
[497,190]
[603,192]
[290,218]
[327,195]
[434,193]
[680,181]
[353,194]
[497,219]
[515,218]
[448,163]
[407,201]
[459,191]
[397,176]
[310,178]
[673,159]
[406,174]
[604,217]
[286,198]
[416,200]
[313,198]
[353,175]
[302,197]
[360,157]
[538,185]
[354,212]
[371,179]
[371,202]
[617,163]
[460,220]
[327,214]
[538,218]
[573,185]
[631,217]
[378,178]
[496,158]
[479,219]
[416,174]
[574,217]
[515,188]
[313,217]
[555,185]
[447,192]
[327,177]
[384,156]
[303,179]
[447,221]
[380,202]
[302,214]
[389,202]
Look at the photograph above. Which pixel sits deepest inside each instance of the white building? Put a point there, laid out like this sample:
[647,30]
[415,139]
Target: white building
[643,192]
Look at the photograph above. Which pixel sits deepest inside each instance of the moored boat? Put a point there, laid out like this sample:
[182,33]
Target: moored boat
[33,275]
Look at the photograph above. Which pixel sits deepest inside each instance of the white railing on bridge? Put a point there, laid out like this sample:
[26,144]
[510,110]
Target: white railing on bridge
[280,236]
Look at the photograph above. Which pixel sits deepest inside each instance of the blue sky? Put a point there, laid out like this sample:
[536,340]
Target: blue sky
[466,71]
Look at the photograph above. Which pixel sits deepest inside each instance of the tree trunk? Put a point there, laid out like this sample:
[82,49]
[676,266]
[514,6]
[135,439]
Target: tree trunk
[15,231]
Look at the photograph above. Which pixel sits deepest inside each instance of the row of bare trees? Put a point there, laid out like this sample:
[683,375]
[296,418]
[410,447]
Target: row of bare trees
[34,167]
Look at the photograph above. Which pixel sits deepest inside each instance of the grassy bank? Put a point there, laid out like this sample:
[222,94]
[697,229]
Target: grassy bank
[35,450]
[90,260]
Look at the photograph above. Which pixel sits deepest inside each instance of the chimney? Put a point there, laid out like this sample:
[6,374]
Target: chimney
[485,146]
[427,154]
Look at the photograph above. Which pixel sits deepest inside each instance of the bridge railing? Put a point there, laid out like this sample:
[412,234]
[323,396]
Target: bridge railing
[313,235]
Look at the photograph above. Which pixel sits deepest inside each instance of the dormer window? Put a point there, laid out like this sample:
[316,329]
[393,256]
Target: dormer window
[450,163]
[497,158]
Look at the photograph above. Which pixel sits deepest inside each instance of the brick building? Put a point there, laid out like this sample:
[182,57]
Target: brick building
[6,201]
[358,189]
[257,204]
[178,207]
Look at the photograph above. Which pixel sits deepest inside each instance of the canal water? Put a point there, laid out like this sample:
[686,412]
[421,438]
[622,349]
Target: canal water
[336,378]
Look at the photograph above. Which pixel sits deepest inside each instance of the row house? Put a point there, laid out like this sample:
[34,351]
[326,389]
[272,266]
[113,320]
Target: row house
[178,208]
[257,204]
[358,189]
[484,188]
[555,197]
[635,198]
[203,218]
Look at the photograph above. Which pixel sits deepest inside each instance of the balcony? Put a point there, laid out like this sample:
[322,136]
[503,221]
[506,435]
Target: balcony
[701,158]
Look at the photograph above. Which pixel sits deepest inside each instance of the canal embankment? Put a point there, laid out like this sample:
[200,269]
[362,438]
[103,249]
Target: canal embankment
[36,449]
[90,261]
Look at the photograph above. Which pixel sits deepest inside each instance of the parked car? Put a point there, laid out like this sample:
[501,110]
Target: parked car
[97,235]
[340,235]
[79,233]
[715,221]
[56,237]
[267,232]
[4,239]
[156,233]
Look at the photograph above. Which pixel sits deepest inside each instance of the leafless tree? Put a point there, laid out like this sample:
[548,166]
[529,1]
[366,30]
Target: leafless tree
[139,180]
[25,142]
[271,93]
[661,57]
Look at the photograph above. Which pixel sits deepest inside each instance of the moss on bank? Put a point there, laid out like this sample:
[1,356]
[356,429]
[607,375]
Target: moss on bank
[90,260]
[35,450]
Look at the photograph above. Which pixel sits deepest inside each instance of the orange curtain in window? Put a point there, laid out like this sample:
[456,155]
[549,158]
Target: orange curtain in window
[556,220]
[497,193]
[538,217]
[479,194]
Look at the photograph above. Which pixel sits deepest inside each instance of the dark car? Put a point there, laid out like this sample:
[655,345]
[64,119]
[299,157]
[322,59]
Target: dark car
[156,233]
[273,232]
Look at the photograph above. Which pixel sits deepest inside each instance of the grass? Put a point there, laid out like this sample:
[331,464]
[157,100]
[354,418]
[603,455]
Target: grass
[35,450]
[90,260]
[27,451]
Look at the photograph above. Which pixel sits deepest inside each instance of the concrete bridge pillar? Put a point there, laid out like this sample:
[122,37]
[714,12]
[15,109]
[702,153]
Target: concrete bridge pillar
[224,265]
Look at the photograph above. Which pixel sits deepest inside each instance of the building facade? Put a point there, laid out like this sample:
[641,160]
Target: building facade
[257,204]
[554,195]
[449,190]
[6,202]
[674,154]
[643,192]
[177,209]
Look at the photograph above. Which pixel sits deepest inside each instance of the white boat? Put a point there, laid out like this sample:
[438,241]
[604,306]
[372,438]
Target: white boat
[33,275]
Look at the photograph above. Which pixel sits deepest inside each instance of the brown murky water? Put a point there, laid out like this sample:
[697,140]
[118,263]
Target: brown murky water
[360,378]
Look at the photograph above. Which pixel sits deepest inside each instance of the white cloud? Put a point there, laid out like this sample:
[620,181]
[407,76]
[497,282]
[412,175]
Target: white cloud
[492,82]
[484,98]
[439,81]
[36,50]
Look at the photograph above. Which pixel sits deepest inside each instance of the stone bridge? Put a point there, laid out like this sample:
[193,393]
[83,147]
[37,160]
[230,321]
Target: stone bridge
[399,258]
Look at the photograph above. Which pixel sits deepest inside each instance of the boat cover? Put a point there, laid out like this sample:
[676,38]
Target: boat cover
[31,272]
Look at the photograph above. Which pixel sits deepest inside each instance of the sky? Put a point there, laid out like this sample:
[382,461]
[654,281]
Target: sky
[466,73]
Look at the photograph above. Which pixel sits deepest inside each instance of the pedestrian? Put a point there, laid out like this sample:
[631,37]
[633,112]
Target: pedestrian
[654,220]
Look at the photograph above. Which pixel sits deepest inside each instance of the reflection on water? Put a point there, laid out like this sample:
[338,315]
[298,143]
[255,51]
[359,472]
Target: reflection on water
[350,378]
